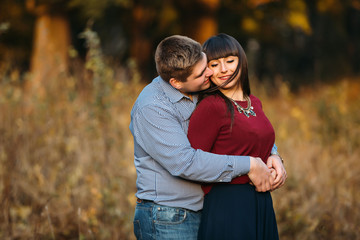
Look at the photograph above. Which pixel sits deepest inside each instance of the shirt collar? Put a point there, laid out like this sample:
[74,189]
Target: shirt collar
[172,93]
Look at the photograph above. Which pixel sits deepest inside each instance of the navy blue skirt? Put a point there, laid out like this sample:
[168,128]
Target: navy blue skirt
[234,212]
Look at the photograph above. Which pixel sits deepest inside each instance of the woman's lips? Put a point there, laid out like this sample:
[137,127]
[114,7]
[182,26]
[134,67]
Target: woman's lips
[224,78]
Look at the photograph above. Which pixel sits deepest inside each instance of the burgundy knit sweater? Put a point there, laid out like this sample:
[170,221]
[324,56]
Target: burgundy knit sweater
[210,130]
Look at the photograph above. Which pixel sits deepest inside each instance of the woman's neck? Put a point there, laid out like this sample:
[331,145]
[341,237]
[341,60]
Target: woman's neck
[234,94]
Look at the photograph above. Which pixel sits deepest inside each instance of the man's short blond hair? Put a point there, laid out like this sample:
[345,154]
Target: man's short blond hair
[176,56]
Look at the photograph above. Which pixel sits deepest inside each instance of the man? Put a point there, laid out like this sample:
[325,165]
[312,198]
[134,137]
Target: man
[168,168]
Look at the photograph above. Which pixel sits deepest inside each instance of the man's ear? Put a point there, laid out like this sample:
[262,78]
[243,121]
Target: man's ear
[175,83]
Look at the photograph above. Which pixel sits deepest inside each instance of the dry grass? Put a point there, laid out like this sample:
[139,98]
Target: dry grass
[318,133]
[66,160]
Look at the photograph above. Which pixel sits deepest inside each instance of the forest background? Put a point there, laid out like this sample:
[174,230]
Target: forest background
[70,71]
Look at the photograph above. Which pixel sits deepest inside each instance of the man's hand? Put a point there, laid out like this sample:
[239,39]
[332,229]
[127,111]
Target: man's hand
[275,162]
[260,175]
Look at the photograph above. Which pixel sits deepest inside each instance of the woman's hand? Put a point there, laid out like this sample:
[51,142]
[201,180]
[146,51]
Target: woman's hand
[275,162]
[260,175]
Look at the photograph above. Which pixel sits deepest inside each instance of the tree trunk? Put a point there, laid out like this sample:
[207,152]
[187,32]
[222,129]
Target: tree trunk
[202,27]
[141,44]
[200,21]
[49,61]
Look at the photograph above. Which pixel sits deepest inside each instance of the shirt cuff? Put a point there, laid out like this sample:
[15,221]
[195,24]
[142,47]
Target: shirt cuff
[241,165]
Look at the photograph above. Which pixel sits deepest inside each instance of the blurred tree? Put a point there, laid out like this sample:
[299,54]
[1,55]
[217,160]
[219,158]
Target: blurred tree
[293,39]
[15,38]
[141,28]
[352,22]
[198,18]
[148,22]
[151,21]
[51,43]
[52,36]
[296,40]
[332,35]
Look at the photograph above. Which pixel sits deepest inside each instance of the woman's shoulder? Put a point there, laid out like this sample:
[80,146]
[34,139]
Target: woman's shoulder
[255,100]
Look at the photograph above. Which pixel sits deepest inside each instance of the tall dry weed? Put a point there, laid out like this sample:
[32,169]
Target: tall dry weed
[317,131]
[66,165]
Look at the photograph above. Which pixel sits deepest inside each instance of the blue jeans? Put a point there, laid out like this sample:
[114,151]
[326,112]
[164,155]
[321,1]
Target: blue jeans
[153,221]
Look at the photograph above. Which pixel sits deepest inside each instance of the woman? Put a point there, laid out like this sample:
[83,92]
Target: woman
[229,120]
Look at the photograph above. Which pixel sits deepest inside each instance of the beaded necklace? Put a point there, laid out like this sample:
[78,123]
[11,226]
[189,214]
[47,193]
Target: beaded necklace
[248,110]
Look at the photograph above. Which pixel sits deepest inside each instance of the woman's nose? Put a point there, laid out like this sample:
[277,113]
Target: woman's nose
[223,68]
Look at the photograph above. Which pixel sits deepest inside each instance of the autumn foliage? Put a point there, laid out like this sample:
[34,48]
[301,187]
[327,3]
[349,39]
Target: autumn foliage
[67,172]
[66,152]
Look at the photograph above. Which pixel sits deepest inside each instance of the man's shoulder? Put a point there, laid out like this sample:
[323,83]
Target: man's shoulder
[152,96]
[150,92]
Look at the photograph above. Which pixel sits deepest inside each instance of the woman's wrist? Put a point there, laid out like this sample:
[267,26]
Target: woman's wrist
[276,153]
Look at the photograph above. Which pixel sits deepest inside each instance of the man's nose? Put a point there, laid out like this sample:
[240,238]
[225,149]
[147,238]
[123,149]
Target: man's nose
[209,72]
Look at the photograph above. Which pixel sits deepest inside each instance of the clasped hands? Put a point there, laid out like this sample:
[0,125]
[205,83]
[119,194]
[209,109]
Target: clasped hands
[267,177]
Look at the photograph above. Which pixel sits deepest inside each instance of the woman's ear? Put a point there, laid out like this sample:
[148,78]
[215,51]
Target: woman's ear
[175,83]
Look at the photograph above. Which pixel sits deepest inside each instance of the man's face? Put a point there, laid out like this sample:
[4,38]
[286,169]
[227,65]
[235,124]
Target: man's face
[199,78]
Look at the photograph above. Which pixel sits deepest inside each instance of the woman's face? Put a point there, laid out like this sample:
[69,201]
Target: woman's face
[223,69]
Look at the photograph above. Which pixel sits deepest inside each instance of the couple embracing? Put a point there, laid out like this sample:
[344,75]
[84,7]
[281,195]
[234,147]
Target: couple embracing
[204,151]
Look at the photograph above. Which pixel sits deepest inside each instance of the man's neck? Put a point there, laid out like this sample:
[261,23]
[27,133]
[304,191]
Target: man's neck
[188,95]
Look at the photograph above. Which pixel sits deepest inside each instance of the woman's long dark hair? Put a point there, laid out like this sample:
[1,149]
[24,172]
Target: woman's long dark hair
[222,46]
